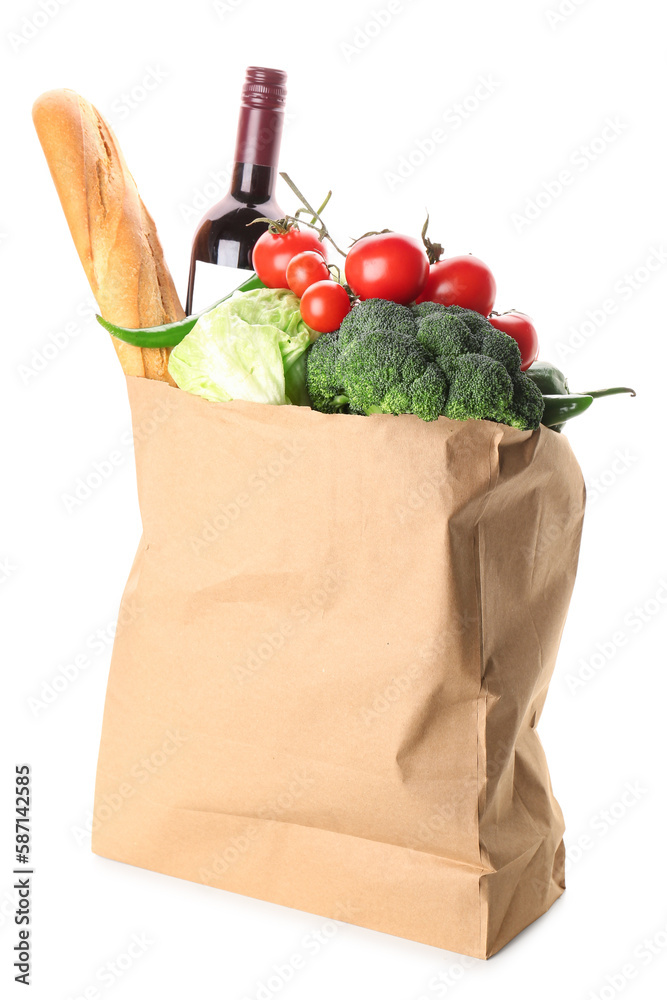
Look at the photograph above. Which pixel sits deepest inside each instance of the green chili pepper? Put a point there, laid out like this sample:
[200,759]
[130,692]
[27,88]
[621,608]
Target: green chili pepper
[597,393]
[559,403]
[558,409]
[170,334]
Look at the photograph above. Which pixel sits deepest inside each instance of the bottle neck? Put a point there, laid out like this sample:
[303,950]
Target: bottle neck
[253,183]
[257,151]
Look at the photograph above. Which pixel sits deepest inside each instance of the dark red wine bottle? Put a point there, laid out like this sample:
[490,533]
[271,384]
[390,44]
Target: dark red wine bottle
[223,235]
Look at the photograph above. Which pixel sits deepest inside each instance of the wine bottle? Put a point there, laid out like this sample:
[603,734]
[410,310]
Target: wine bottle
[223,236]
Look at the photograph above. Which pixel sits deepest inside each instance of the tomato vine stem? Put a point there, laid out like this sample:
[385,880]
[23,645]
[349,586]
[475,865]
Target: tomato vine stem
[324,233]
[434,251]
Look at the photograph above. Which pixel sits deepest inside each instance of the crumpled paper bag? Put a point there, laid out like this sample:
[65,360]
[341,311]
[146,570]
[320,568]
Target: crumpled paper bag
[341,637]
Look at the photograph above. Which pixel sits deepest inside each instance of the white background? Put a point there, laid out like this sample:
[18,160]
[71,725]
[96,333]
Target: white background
[360,99]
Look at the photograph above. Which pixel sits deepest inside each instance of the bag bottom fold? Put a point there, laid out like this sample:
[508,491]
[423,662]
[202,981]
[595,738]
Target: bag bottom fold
[385,887]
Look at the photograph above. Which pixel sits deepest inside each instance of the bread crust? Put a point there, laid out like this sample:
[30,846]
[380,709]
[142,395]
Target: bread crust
[113,232]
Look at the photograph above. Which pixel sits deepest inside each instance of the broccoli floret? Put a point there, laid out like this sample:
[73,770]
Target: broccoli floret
[429,393]
[386,371]
[473,320]
[378,371]
[420,309]
[377,314]
[446,335]
[480,390]
[527,403]
[321,376]
[426,359]
[502,348]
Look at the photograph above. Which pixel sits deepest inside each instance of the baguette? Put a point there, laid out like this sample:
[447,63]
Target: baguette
[113,232]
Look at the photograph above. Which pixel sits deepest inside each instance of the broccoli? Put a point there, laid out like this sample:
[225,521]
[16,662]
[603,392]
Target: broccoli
[427,359]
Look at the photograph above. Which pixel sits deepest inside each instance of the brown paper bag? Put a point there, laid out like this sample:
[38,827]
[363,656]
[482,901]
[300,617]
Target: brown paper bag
[336,641]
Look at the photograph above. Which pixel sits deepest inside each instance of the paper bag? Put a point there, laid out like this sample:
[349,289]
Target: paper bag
[336,641]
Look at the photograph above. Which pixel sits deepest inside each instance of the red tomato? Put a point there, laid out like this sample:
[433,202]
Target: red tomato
[274,251]
[519,326]
[305,269]
[387,266]
[324,306]
[461,281]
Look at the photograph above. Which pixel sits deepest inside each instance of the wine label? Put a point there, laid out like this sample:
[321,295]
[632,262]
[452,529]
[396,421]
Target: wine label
[213,282]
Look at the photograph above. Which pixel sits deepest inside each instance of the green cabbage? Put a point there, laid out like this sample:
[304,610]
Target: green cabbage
[252,346]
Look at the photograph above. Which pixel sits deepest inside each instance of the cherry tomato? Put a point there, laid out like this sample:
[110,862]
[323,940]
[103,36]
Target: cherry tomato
[519,326]
[324,306]
[387,266]
[461,281]
[305,269]
[274,251]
